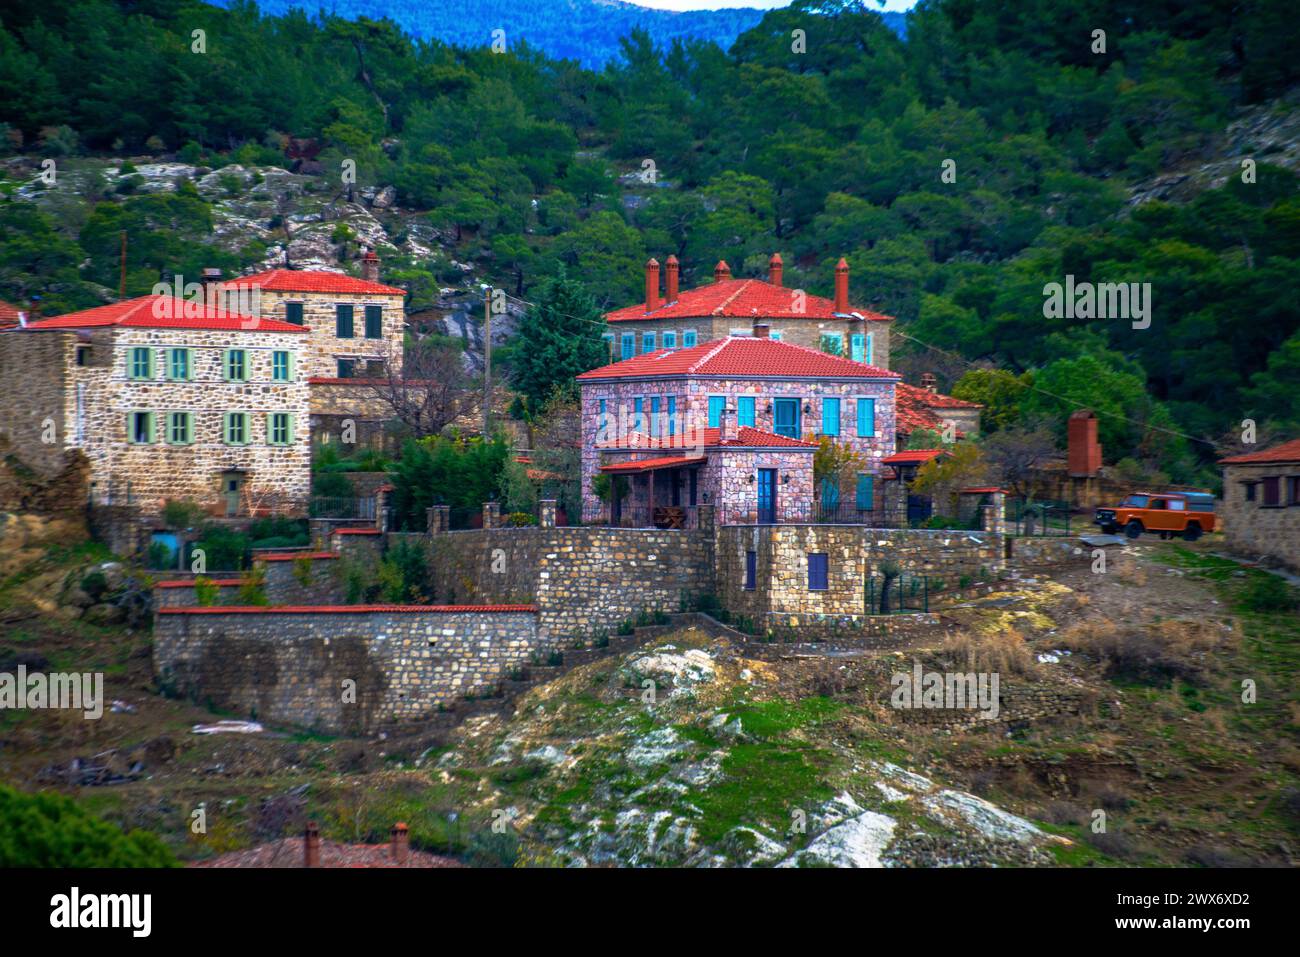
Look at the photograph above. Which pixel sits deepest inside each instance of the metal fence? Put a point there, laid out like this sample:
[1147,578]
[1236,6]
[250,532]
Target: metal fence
[902,594]
[1026,517]
[324,506]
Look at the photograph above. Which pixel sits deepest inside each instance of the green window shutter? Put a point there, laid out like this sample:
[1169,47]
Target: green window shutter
[293,364]
[293,313]
[343,321]
[148,427]
[292,434]
[866,491]
[374,322]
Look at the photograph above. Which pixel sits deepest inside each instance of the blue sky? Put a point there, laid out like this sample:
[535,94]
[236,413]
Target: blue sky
[895,5]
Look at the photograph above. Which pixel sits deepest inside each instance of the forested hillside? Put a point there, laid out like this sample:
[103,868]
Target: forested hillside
[584,30]
[514,160]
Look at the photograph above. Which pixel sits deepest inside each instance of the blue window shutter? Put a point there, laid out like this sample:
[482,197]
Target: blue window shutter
[628,345]
[716,404]
[830,416]
[859,347]
[672,415]
[647,342]
[688,339]
[830,493]
[866,491]
[817,571]
[866,417]
[870,349]
[745,411]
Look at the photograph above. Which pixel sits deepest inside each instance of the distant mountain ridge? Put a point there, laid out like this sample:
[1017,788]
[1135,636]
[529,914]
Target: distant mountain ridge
[584,30]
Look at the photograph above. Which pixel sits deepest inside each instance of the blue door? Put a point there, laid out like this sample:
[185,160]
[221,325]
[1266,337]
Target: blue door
[767,496]
[786,417]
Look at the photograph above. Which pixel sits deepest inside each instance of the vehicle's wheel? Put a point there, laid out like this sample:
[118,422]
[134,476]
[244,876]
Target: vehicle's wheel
[1192,532]
[1133,529]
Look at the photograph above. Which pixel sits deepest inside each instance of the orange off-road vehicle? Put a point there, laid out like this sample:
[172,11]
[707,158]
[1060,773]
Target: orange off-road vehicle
[1185,514]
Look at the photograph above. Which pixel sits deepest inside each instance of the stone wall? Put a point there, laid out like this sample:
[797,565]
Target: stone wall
[781,598]
[293,665]
[1253,529]
[34,393]
[1039,552]
[91,403]
[324,348]
[582,579]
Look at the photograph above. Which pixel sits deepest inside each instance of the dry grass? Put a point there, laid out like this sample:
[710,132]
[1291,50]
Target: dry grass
[1004,652]
[1165,649]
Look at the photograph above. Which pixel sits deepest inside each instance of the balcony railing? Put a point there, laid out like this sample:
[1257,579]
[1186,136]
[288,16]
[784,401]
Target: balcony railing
[661,516]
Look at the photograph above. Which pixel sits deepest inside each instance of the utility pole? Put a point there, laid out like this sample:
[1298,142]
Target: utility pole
[487,359]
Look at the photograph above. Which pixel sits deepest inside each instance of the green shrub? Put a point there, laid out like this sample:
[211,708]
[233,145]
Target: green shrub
[489,849]
[160,556]
[1267,593]
[182,513]
[206,592]
[49,830]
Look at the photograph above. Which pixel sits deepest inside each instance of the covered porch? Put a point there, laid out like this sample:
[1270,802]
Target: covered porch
[660,492]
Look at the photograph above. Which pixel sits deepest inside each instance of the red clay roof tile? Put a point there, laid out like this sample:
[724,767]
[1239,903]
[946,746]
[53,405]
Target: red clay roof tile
[739,357]
[740,299]
[164,312]
[1286,452]
[311,280]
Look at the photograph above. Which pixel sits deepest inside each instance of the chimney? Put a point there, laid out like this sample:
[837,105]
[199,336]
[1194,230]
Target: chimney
[774,268]
[672,265]
[842,286]
[311,845]
[211,282]
[726,425]
[651,285]
[370,266]
[401,844]
[721,271]
[928,382]
[22,320]
[761,329]
[1084,455]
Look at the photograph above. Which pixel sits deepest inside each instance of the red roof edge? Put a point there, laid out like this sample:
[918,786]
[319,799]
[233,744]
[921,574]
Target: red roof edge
[334,609]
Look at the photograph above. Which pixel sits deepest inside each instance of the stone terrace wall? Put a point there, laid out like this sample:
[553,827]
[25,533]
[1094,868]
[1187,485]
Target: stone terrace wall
[289,665]
[284,587]
[582,579]
[781,598]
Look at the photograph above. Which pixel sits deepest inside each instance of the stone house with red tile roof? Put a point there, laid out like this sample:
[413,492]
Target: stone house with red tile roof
[732,423]
[1261,503]
[355,334]
[167,399]
[682,319]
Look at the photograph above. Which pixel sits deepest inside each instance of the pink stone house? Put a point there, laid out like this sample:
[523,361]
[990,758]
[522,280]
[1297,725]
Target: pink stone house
[732,423]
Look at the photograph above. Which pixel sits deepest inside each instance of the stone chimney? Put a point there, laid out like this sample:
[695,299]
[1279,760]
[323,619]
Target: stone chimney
[401,844]
[672,267]
[370,266]
[928,382]
[774,269]
[311,845]
[651,285]
[210,280]
[842,286]
[727,425]
[761,329]
[721,271]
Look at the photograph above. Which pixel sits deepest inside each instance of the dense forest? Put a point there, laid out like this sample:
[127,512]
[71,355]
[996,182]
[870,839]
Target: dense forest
[994,150]
[584,30]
